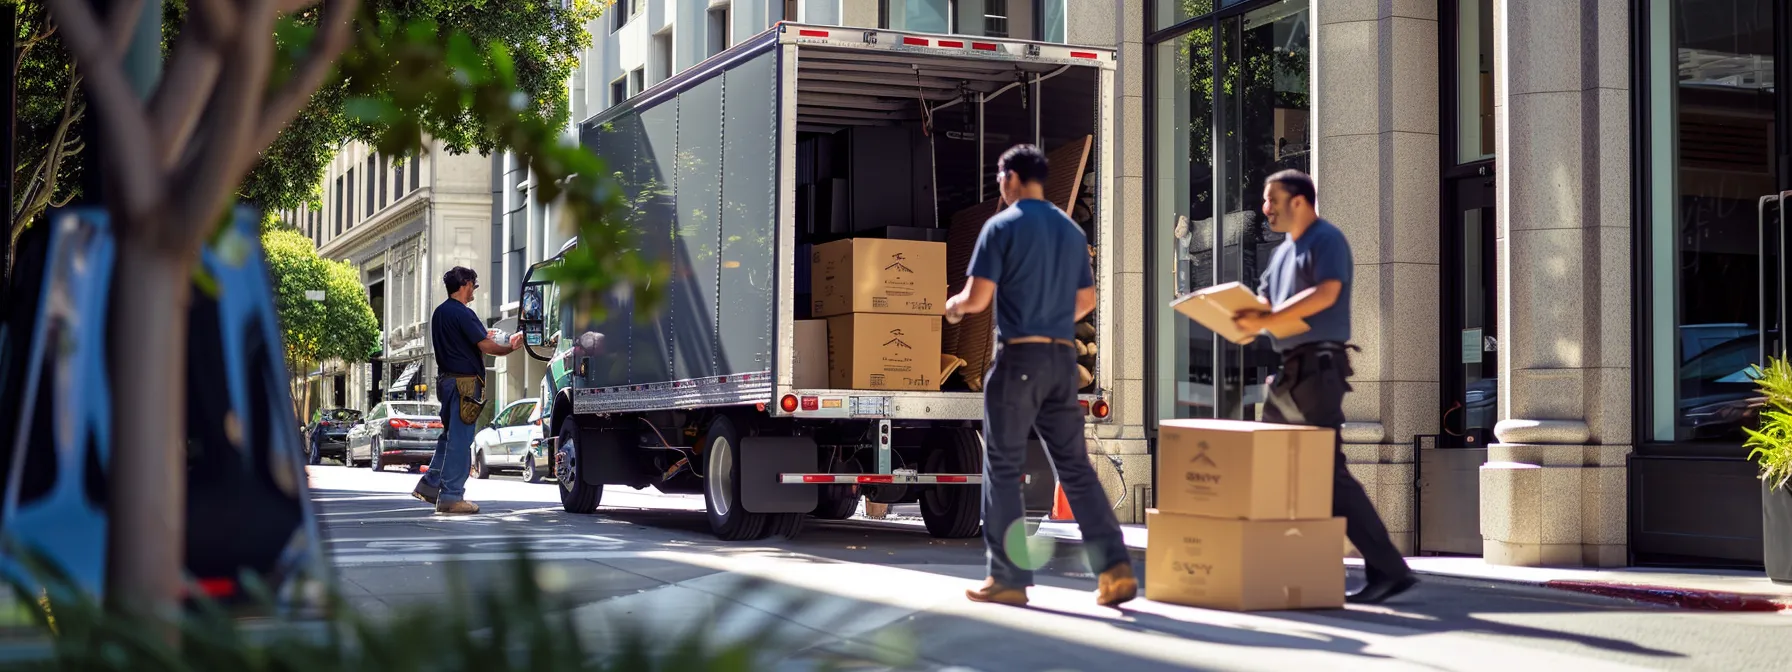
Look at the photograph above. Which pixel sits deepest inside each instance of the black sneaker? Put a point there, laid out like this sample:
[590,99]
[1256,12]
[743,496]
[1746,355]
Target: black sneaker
[426,492]
[1378,592]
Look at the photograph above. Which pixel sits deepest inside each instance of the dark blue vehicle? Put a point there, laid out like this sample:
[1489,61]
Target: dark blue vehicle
[247,506]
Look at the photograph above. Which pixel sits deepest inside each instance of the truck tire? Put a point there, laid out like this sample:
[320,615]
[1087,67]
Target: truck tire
[785,525]
[576,496]
[953,511]
[721,485]
[836,508]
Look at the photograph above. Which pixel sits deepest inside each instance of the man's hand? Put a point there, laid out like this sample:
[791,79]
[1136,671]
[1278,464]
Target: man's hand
[1251,321]
[516,341]
[953,312]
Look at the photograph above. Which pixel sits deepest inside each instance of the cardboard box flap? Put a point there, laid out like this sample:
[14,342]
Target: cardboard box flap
[1215,307]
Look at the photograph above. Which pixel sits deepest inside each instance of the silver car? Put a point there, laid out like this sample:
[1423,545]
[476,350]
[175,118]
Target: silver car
[396,432]
[503,445]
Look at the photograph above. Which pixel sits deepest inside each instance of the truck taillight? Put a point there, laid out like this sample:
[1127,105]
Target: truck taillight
[788,403]
[1100,409]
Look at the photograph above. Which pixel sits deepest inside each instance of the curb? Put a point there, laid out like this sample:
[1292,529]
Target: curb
[1683,598]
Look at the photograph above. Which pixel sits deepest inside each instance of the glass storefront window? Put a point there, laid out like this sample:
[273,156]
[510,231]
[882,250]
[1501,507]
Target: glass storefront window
[1474,80]
[1715,301]
[1231,102]
[921,16]
[1166,13]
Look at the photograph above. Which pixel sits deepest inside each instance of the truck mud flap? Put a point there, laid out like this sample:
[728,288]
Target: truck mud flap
[604,459]
[762,458]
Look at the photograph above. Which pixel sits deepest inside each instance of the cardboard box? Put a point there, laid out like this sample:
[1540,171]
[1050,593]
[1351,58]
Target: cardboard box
[1244,565]
[873,275]
[869,351]
[1250,470]
[811,355]
[1215,307]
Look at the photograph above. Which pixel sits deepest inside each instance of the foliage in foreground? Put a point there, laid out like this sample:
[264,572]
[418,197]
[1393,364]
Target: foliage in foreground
[1771,445]
[518,625]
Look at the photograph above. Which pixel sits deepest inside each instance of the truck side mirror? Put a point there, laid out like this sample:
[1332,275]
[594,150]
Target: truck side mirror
[532,320]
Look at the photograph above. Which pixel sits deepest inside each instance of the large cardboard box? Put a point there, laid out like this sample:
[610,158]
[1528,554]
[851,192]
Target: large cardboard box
[874,275]
[811,355]
[1215,307]
[1244,565]
[870,351]
[1250,470]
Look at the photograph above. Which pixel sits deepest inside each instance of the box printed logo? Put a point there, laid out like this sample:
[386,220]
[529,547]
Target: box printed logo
[897,265]
[896,339]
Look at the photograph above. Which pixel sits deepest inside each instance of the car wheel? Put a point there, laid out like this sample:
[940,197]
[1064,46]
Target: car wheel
[953,511]
[373,460]
[721,485]
[479,469]
[576,496]
[529,475]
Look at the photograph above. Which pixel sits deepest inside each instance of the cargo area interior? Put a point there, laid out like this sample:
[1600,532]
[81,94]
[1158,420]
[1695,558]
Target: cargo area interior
[908,150]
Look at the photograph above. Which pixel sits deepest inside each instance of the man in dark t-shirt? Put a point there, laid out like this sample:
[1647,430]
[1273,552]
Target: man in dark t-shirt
[460,340]
[1039,260]
[1309,278]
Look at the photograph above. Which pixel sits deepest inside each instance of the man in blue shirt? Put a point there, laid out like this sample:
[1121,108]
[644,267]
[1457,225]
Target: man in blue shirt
[1040,261]
[1309,279]
[459,339]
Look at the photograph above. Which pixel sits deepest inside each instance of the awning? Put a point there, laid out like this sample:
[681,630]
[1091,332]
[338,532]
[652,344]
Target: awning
[403,381]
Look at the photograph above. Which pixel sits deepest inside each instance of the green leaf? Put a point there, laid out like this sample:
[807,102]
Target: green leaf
[370,110]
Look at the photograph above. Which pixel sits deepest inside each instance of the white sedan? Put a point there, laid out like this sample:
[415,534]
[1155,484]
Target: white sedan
[504,444]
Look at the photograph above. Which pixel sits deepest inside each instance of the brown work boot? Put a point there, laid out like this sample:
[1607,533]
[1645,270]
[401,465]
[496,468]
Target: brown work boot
[425,492]
[997,593]
[1117,586]
[457,507]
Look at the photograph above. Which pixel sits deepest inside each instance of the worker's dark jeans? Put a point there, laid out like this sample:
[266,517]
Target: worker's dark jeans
[453,460]
[1310,391]
[1033,386]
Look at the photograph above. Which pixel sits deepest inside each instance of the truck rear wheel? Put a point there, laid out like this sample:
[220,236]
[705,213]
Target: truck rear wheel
[953,511]
[576,496]
[721,485]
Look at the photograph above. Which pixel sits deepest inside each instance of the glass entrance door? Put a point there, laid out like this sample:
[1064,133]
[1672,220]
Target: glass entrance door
[1471,353]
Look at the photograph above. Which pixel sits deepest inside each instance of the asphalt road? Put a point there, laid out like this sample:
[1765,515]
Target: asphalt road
[872,586]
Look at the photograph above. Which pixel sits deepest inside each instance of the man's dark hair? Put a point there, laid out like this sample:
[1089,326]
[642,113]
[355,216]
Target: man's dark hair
[1025,162]
[1297,183]
[458,277]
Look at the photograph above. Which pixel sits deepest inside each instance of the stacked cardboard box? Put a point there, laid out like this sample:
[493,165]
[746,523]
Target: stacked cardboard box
[1244,519]
[883,301]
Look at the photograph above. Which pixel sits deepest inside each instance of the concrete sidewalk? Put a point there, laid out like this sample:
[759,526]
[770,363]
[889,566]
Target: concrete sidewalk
[1715,590]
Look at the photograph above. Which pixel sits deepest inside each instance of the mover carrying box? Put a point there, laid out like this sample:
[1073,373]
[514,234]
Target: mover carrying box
[872,275]
[1244,565]
[1250,470]
[870,351]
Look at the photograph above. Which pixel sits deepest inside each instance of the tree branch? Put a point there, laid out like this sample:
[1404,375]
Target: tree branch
[332,37]
[291,6]
[129,139]
[213,171]
[180,98]
[122,22]
[218,17]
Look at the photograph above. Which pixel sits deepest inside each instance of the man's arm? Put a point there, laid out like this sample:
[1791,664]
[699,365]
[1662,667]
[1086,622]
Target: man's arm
[489,347]
[976,297]
[986,266]
[1085,302]
[1299,307]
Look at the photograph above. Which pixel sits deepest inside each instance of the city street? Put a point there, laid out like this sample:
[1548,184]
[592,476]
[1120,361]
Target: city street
[878,586]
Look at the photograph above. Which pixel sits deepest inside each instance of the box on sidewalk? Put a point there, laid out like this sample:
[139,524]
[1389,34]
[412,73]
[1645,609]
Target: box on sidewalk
[1250,470]
[874,275]
[1244,565]
[871,351]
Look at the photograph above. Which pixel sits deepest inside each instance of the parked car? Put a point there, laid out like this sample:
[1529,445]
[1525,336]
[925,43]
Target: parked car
[504,445]
[396,432]
[328,436]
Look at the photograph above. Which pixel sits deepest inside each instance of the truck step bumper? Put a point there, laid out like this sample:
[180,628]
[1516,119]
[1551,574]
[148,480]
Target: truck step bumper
[885,479]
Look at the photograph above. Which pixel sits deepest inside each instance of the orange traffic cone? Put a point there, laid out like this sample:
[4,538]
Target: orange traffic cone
[1061,507]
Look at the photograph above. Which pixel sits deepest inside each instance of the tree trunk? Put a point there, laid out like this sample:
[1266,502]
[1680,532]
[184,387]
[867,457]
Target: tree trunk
[152,292]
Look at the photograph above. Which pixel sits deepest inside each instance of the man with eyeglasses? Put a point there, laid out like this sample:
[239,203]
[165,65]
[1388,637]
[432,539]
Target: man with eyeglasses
[460,339]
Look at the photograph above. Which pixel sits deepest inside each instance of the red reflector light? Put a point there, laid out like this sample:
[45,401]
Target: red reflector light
[1085,407]
[817,478]
[1083,54]
[877,479]
[217,587]
[914,41]
[820,33]
[984,46]
[437,424]
[1102,409]
[952,479]
[954,44]
[811,403]
[788,403]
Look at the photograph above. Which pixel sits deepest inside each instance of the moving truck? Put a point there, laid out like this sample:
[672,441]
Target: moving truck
[804,147]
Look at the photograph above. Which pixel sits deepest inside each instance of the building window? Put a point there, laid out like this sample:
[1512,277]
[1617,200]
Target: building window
[349,197]
[1474,80]
[637,82]
[920,16]
[336,197]
[1052,27]
[662,57]
[1715,300]
[1230,102]
[385,181]
[373,176]
[717,32]
[995,18]
[416,171]
[619,90]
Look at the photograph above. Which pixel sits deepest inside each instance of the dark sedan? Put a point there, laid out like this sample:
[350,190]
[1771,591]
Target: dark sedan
[396,432]
[328,436]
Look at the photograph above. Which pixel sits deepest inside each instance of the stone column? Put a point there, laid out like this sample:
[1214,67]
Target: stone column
[1553,490]
[1375,105]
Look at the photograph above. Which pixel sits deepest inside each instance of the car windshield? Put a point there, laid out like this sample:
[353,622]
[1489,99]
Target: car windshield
[414,409]
[342,415]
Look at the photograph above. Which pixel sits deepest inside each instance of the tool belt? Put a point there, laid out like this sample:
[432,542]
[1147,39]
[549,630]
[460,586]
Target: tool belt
[471,391]
[1018,340]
